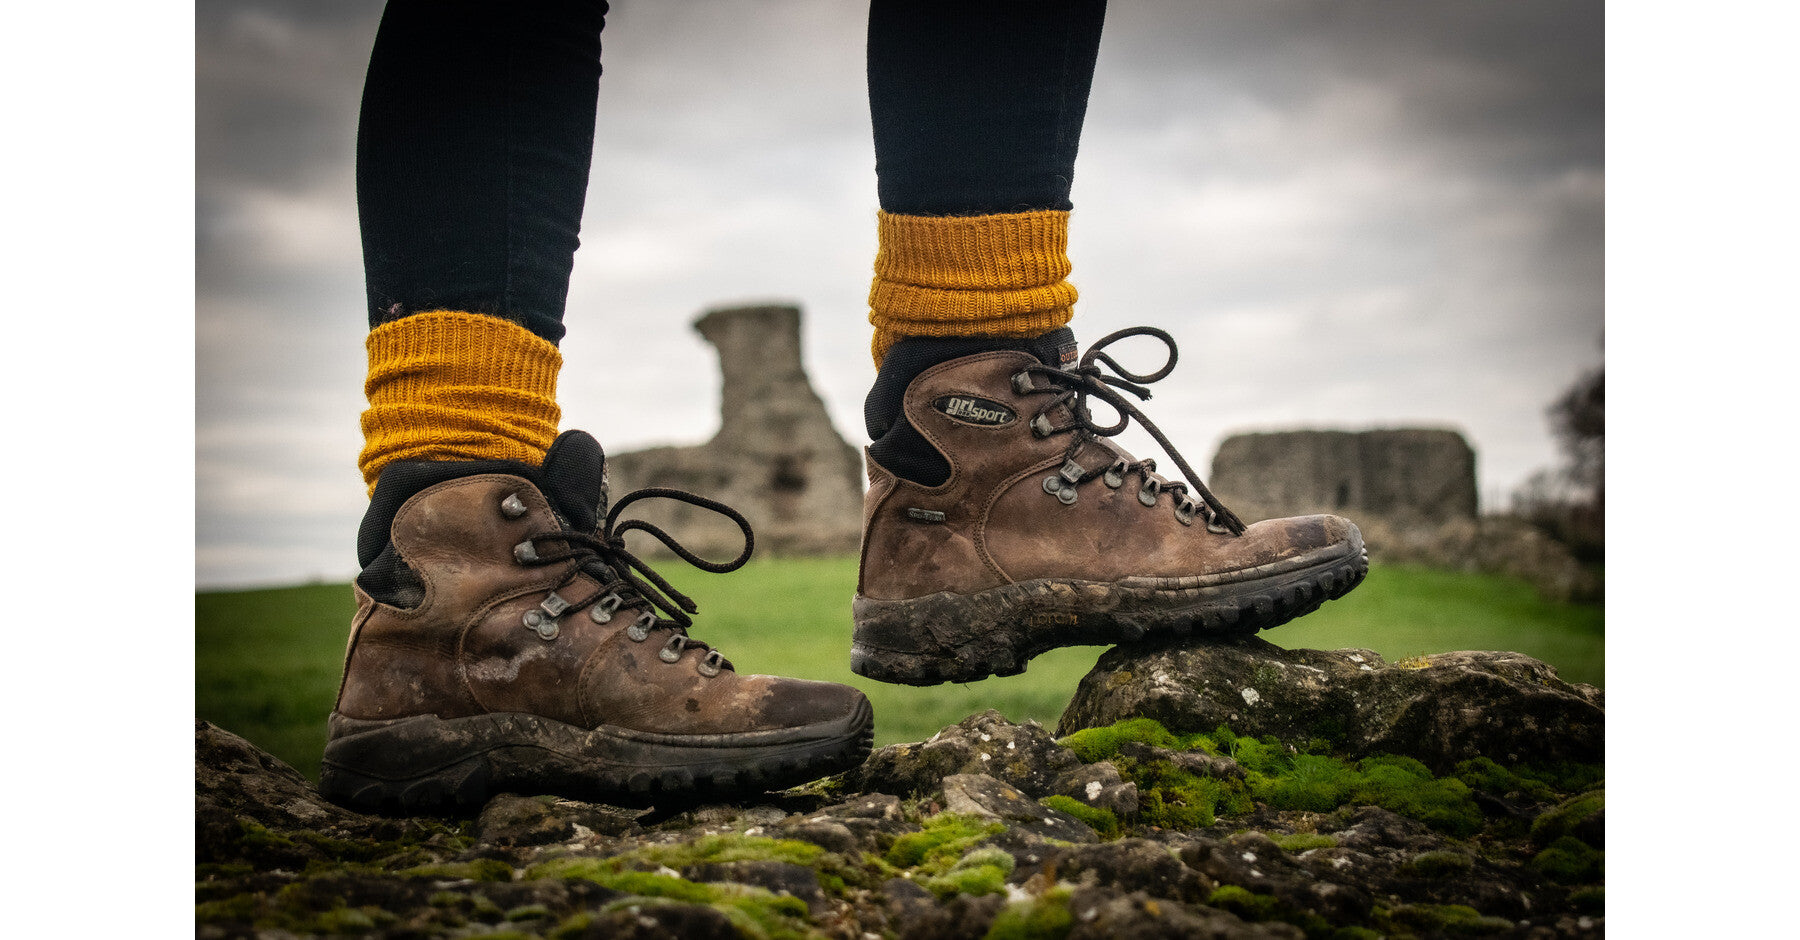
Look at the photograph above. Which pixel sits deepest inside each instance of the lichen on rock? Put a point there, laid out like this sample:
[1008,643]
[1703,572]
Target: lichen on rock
[1199,814]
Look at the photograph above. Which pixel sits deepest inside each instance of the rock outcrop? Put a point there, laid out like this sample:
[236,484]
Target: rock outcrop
[777,458]
[1146,828]
[1439,709]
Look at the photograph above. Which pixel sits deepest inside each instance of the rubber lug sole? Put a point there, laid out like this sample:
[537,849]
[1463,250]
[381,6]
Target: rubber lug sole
[436,766]
[964,638]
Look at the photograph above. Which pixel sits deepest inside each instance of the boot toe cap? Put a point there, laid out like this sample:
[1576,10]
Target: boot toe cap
[1299,535]
[798,703]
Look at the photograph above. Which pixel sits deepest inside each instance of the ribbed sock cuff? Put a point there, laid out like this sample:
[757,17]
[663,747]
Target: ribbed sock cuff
[448,385]
[985,275]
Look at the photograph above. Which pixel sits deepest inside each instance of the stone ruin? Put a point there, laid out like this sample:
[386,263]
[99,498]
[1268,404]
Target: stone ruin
[1411,491]
[1409,474]
[776,459]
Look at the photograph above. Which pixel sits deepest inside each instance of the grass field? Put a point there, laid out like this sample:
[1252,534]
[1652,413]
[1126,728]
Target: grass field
[266,662]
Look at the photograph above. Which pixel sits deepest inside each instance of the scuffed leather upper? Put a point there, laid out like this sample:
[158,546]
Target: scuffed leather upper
[1001,526]
[466,649]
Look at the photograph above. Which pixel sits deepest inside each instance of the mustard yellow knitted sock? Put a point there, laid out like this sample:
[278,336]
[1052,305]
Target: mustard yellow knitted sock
[999,275]
[449,385]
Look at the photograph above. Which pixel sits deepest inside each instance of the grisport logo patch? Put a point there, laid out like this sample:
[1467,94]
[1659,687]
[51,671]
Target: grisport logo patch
[977,411]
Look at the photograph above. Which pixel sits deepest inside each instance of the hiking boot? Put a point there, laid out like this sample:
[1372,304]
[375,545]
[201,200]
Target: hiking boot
[506,640]
[1002,521]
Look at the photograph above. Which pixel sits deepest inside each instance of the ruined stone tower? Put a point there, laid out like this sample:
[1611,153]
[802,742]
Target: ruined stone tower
[776,458]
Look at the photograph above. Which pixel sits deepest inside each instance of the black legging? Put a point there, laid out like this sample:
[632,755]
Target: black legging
[477,132]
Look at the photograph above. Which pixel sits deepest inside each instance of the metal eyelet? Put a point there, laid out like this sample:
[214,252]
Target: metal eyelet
[1053,484]
[1040,426]
[1147,492]
[525,553]
[512,507]
[710,663]
[545,626]
[603,610]
[1115,475]
[1184,511]
[639,631]
[671,651]
[1021,383]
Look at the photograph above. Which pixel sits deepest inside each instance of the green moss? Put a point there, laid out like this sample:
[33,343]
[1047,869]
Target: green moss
[1304,841]
[1439,864]
[1243,902]
[1042,918]
[1102,820]
[1405,786]
[1558,822]
[481,869]
[483,908]
[1316,784]
[255,835]
[1265,755]
[944,839]
[1483,774]
[575,925]
[528,912]
[728,847]
[345,920]
[1452,919]
[755,911]
[1095,744]
[981,879]
[1290,778]
[651,884]
[1569,776]
[982,871]
[1571,861]
[1172,798]
[240,908]
[1589,900]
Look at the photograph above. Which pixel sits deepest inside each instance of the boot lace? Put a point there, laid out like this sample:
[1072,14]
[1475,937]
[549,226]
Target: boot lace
[627,582]
[1074,387]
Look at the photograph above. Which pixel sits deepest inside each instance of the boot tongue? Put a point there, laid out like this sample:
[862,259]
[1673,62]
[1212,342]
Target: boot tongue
[574,475]
[1056,348]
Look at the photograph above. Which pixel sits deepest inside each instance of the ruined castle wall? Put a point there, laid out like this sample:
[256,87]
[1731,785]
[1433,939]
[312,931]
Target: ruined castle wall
[1410,474]
[776,459]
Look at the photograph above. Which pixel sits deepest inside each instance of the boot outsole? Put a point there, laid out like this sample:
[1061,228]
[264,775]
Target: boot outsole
[425,765]
[964,638]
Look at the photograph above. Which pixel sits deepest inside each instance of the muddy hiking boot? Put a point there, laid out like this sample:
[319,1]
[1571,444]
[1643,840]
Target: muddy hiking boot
[1002,521]
[506,640]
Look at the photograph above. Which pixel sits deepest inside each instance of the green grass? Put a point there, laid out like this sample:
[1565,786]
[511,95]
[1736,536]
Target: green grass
[266,663]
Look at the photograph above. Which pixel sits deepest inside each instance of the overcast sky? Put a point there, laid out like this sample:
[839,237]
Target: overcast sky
[1350,215]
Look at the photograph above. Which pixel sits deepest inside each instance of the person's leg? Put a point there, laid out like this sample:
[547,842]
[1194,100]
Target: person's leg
[1001,520]
[472,160]
[505,639]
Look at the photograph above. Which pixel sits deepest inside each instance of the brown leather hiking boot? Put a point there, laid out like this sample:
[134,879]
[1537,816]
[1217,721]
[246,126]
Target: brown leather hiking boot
[1043,533]
[505,639]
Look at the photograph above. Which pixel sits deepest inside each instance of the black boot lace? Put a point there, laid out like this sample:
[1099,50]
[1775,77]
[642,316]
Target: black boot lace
[627,582]
[1074,386]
